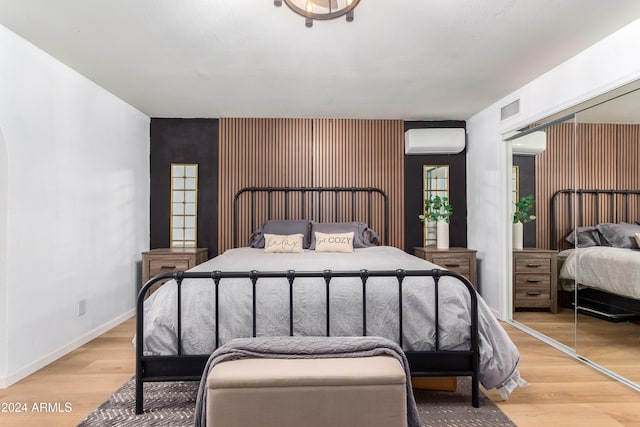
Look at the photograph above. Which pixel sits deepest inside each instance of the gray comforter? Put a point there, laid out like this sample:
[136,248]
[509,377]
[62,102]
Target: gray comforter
[307,348]
[498,355]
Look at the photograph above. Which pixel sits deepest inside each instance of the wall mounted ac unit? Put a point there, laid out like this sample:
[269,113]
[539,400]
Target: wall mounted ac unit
[530,144]
[434,141]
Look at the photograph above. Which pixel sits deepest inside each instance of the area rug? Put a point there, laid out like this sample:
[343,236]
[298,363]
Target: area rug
[173,403]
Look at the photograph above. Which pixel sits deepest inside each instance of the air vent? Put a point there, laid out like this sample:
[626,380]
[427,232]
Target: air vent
[510,110]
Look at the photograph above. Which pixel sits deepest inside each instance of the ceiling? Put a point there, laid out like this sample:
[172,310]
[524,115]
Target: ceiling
[400,59]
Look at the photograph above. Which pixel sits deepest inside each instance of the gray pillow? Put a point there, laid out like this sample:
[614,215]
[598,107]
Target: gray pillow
[363,236]
[282,227]
[587,236]
[620,235]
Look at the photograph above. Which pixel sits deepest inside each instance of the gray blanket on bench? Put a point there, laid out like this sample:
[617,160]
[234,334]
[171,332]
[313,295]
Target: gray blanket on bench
[305,348]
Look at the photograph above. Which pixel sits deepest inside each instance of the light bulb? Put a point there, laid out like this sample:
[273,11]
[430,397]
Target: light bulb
[309,6]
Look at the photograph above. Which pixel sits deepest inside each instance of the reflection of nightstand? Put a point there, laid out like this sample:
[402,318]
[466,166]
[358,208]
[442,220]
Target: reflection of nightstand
[168,260]
[535,279]
[460,260]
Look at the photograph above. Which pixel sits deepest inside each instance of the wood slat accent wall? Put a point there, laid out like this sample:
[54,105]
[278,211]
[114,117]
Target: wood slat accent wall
[309,152]
[606,157]
[259,152]
[628,164]
[363,153]
[554,171]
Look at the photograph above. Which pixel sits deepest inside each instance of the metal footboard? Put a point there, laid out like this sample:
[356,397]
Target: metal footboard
[181,367]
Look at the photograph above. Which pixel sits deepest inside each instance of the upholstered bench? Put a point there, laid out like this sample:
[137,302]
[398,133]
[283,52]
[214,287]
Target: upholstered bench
[316,392]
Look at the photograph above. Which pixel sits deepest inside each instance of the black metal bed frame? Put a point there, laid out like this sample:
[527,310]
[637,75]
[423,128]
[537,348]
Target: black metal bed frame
[593,301]
[436,363]
[316,201]
[613,196]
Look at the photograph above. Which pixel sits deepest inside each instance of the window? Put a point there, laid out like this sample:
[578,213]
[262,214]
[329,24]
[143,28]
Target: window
[184,205]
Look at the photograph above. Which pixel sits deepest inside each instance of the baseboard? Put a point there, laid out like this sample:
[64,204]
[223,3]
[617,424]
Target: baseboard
[64,350]
[496,313]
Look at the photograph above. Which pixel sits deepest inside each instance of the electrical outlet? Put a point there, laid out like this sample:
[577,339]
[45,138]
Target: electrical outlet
[82,307]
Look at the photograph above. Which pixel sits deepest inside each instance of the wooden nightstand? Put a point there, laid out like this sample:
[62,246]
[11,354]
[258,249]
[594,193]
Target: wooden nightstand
[167,260]
[460,260]
[535,279]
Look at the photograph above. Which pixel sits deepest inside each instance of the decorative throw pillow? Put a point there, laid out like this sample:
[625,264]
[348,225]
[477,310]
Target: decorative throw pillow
[277,243]
[587,236]
[620,235]
[337,242]
[363,236]
[638,239]
[281,227]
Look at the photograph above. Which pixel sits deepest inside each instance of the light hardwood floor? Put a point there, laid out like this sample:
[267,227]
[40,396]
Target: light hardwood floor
[84,378]
[562,391]
[615,346]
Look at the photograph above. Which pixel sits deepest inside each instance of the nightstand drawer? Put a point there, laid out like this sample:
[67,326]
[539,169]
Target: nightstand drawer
[532,265]
[167,260]
[533,280]
[532,296]
[168,265]
[458,264]
[458,260]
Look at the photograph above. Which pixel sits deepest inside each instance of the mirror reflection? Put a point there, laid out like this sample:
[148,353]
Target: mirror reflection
[586,236]
[435,185]
[543,161]
[605,263]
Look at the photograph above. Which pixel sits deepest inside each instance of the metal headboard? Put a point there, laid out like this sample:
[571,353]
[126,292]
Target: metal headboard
[619,204]
[310,200]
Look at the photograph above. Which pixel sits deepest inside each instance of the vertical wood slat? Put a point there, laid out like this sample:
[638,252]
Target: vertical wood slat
[363,153]
[310,152]
[259,152]
[606,158]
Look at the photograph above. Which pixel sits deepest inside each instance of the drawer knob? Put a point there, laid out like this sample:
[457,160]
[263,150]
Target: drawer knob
[534,280]
[534,265]
[166,267]
[452,265]
[533,293]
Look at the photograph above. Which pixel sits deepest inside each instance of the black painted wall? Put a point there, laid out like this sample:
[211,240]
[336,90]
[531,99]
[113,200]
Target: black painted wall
[413,188]
[184,141]
[527,167]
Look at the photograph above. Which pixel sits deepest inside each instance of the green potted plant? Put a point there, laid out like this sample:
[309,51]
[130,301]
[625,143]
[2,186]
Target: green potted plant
[437,209]
[521,216]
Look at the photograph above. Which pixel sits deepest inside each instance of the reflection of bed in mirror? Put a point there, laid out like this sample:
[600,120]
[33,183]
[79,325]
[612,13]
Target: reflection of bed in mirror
[601,252]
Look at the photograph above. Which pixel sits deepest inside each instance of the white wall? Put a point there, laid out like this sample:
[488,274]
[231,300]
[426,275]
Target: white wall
[77,206]
[609,64]
[4,187]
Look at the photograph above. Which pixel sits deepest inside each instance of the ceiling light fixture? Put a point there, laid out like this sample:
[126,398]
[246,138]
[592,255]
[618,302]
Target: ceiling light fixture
[321,9]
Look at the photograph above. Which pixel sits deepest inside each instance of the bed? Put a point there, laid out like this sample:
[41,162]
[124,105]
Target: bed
[435,315]
[603,255]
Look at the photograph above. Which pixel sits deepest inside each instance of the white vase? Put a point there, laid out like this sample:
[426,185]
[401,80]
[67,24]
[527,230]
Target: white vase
[431,233]
[517,235]
[442,234]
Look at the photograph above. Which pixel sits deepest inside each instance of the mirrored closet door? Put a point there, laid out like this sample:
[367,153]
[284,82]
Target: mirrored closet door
[583,247]
[543,168]
[607,257]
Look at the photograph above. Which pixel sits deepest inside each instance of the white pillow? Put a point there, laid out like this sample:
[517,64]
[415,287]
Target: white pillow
[334,242]
[277,243]
[638,239]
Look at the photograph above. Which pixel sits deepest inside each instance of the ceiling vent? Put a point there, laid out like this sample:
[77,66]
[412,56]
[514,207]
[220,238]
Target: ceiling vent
[434,141]
[510,109]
